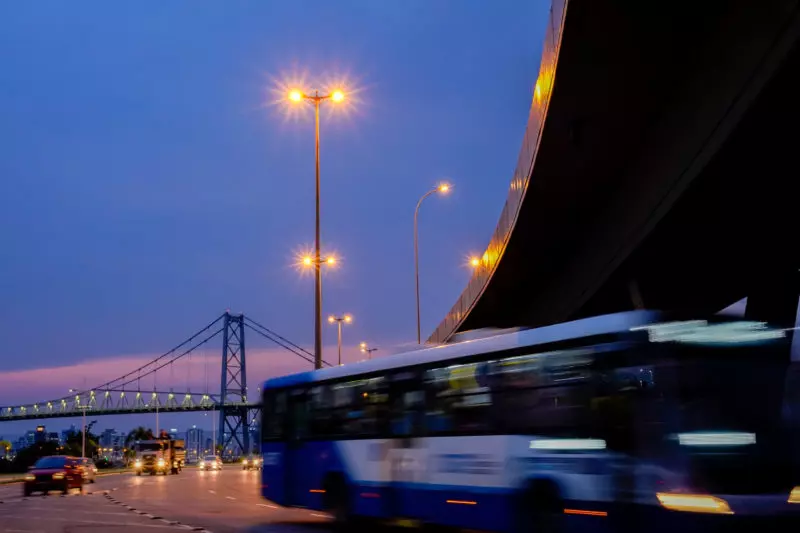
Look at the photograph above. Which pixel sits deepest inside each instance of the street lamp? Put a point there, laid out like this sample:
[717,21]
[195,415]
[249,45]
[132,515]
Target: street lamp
[338,321]
[367,350]
[316,99]
[442,188]
[83,410]
[474,262]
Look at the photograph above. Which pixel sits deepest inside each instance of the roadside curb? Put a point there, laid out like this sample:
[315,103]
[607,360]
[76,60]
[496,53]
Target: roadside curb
[179,525]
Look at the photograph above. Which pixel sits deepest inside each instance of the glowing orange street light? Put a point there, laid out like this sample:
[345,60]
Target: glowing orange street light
[475,262]
[297,96]
[307,261]
[442,188]
[365,349]
[333,319]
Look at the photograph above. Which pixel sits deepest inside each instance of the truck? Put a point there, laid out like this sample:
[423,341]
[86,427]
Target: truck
[159,456]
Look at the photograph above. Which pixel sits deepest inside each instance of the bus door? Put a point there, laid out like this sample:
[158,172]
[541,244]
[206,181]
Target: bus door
[296,476]
[408,454]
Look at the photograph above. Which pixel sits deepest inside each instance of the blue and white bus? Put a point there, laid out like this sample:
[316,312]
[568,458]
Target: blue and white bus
[607,422]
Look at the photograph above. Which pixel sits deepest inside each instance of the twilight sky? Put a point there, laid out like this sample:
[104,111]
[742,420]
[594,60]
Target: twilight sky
[148,181]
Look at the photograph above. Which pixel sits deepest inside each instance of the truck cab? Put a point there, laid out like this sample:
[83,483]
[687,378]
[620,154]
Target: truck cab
[159,456]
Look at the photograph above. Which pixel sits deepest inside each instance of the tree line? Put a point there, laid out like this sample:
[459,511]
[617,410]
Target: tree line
[72,445]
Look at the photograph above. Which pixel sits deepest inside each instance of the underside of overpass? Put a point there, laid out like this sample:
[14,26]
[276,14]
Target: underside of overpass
[666,172]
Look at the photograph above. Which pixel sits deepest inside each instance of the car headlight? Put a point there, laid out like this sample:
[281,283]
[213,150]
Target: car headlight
[161,462]
[138,463]
[244,461]
[58,475]
[30,477]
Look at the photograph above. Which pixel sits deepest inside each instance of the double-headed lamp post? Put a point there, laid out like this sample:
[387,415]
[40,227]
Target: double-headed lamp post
[367,350]
[333,319]
[442,188]
[316,99]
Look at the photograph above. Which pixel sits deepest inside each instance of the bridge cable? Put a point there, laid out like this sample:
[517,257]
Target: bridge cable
[138,371]
[273,334]
[308,358]
[185,352]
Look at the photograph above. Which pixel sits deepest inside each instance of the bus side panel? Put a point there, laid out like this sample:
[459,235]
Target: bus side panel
[365,467]
[319,462]
[273,473]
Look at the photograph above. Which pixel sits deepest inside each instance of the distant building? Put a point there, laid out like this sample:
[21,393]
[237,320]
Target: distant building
[107,438]
[40,435]
[53,436]
[21,443]
[194,444]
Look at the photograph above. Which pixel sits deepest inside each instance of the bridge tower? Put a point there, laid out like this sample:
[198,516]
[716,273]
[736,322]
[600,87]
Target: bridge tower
[234,424]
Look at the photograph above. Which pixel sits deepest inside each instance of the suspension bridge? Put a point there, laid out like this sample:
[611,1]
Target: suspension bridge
[125,394]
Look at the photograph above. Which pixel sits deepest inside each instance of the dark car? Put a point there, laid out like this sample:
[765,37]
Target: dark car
[56,472]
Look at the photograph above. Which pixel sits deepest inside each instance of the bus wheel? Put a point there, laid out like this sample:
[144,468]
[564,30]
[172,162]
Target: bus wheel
[542,509]
[337,502]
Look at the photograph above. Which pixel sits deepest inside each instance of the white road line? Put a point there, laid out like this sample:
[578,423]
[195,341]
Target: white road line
[81,521]
[319,515]
[212,491]
[266,505]
[230,497]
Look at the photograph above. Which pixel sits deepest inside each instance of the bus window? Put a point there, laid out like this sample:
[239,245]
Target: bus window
[273,415]
[297,425]
[458,399]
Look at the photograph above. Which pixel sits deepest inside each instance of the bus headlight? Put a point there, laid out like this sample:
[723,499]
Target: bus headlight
[244,461]
[693,503]
[161,462]
[137,463]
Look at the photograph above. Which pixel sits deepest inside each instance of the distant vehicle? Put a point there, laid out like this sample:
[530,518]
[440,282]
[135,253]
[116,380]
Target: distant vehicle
[57,472]
[210,462]
[159,456]
[89,470]
[635,414]
[251,463]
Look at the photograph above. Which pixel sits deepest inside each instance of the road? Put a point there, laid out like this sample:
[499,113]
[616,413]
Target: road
[217,502]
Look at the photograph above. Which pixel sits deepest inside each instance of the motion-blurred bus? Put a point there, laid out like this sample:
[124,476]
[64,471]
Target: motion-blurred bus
[626,421]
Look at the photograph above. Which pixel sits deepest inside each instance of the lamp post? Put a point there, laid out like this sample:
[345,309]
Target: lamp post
[338,321]
[367,350]
[316,99]
[83,422]
[442,188]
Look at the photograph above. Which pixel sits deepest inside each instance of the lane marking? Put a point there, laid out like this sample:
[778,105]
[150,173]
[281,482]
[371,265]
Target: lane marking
[212,491]
[319,515]
[267,505]
[230,497]
[82,521]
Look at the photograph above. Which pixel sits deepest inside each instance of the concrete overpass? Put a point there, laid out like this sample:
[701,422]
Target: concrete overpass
[659,168]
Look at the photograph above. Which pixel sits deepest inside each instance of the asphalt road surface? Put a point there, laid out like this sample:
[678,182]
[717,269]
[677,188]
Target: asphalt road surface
[217,502]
